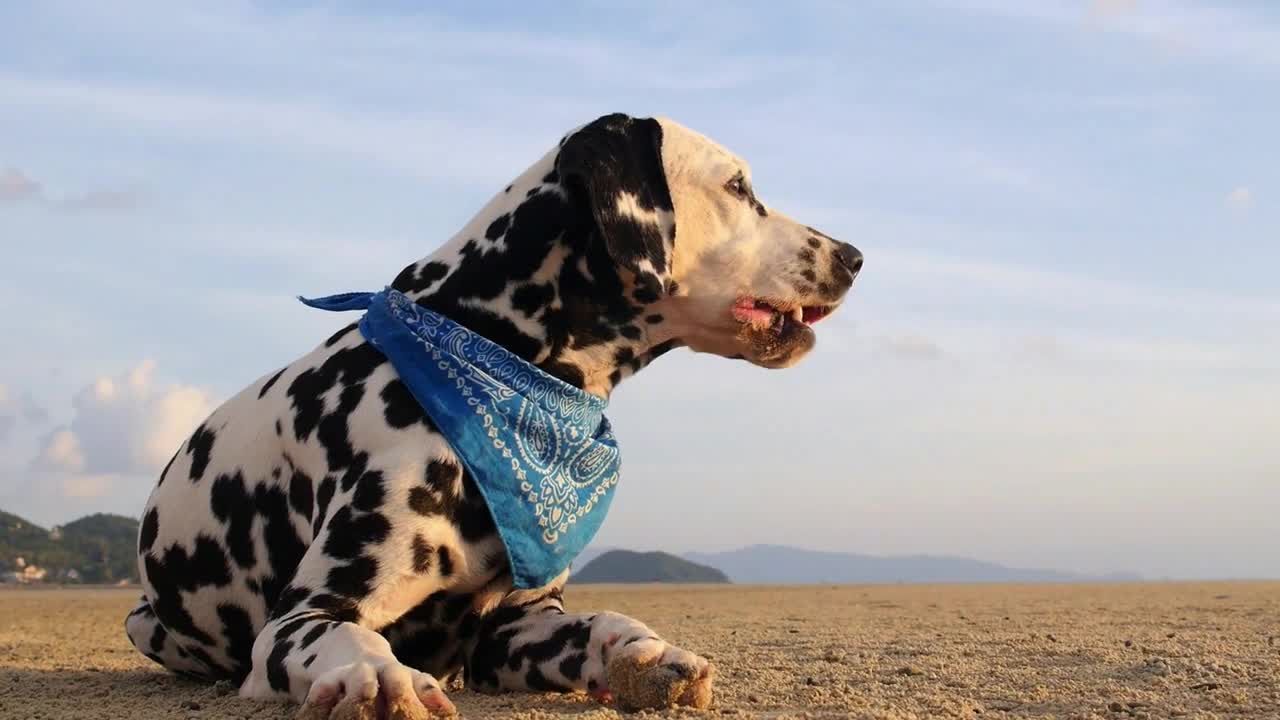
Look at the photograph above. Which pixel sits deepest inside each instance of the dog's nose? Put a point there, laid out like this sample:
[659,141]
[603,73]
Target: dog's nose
[850,257]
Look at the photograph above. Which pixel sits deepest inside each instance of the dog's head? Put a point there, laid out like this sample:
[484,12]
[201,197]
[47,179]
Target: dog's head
[679,215]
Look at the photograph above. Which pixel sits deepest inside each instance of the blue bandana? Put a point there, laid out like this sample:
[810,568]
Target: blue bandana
[541,451]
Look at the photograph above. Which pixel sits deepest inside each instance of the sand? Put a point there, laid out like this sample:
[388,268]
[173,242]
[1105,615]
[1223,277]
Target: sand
[1060,651]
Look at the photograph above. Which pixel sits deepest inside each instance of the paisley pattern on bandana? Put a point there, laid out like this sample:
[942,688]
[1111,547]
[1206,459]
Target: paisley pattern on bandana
[541,451]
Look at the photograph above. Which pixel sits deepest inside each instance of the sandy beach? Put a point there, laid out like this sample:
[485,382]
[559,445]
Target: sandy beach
[1049,651]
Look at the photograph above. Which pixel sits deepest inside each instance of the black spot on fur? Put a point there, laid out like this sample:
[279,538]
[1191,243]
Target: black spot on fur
[571,667]
[653,319]
[158,636]
[302,494]
[339,608]
[335,338]
[808,256]
[422,552]
[279,428]
[232,506]
[436,495]
[355,470]
[498,227]
[441,476]
[645,294]
[413,279]
[313,635]
[177,570]
[421,502]
[350,367]
[814,243]
[472,515]
[369,492]
[266,387]
[290,598]
[532,297]
[325,494]
[355,579]
[445,561]
[809,275]
[348,535]
[400,409]
[284,548]
[199,447]
[535,680]
[237,628]
[289,629]
[277,676]
[150,528]
[571,374]
[630,332]
[333,432]
[310,659]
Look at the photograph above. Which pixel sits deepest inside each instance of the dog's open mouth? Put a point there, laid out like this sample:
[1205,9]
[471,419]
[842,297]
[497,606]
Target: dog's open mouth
[777,317]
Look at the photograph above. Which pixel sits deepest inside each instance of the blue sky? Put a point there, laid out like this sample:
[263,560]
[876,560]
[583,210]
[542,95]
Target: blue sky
[1062,350]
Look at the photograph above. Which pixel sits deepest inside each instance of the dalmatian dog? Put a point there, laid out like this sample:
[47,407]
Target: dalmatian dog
[316,539]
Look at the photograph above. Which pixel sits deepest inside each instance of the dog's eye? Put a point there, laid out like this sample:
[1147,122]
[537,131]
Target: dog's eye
[737,186]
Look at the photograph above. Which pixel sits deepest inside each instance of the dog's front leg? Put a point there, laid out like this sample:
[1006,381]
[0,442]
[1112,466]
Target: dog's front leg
[320,647]
[538,647]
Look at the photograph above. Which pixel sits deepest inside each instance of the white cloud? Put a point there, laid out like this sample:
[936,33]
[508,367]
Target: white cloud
[18,408]
[62,452]
[18,187]
[7,418]
[1240,199]
[127,425]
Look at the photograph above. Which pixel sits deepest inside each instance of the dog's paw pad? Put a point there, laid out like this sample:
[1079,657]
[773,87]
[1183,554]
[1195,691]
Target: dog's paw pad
[361,691]
[638,680]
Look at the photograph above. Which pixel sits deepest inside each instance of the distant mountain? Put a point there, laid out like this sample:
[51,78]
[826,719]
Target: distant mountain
[590,553]
[780,565]
[98,548]
[624,566]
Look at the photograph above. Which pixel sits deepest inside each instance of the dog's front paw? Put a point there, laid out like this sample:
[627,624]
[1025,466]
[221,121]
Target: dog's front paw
[649,673]
[362,691]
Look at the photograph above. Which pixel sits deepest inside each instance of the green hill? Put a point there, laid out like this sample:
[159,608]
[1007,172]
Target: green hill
[624,566]
[99,548]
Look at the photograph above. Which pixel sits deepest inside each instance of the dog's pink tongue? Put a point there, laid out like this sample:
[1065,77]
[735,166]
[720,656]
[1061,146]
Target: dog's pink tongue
[749,313]
[752,315]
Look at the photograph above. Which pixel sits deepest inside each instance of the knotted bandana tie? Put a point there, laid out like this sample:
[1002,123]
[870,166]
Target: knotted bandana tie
[541,451]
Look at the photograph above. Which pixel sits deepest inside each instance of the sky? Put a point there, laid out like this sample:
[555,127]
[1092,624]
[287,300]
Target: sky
[1061,352]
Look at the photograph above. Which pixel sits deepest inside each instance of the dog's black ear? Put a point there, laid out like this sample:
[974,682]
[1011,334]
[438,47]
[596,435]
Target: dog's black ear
[617,162]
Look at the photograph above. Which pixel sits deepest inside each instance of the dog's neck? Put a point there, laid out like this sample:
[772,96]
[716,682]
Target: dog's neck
[530,273]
